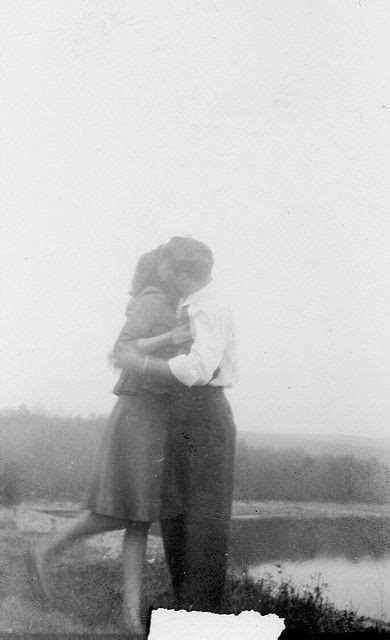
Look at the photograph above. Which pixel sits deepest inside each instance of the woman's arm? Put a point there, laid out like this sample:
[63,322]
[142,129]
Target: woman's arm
[143,345]
[193,369]
[178,335]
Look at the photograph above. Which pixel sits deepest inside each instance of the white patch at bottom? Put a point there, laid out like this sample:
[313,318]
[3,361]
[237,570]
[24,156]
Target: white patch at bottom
[167,624]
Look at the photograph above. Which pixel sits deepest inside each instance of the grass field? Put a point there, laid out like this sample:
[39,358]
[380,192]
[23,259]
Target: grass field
[88,584]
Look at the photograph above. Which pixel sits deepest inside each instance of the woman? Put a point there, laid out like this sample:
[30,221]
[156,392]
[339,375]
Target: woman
[128,490]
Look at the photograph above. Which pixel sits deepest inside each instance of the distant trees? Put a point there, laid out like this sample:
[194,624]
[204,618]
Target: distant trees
[50,457]
[267,474]
[54,454]
[10,484]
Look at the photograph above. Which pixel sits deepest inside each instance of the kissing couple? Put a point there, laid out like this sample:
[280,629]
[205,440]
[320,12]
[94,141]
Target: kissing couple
[167,453]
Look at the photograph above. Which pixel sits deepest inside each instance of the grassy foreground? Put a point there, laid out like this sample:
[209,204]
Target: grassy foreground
[87,587]
[95,598]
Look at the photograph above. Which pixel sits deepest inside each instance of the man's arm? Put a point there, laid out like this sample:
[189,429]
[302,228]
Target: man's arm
[196,368]
[199,365]
[155,369]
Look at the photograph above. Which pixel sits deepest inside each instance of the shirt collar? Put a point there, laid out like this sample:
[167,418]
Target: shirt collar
[205,293]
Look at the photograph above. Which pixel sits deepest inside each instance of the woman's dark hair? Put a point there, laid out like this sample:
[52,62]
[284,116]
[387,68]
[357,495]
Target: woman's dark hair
[146,274]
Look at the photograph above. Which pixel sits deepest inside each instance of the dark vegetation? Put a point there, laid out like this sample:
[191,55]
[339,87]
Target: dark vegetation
[95,597]
[266,474]
[44,456]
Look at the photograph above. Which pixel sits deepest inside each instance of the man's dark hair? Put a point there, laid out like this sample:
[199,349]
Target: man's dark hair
[193,257]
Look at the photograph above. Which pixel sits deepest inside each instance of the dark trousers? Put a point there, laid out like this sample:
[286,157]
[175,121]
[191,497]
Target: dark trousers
[201,446]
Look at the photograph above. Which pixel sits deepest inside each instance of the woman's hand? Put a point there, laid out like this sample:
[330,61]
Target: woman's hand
[181,333]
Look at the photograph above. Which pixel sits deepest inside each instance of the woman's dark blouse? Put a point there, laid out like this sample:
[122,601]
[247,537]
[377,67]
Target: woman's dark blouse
[149,314]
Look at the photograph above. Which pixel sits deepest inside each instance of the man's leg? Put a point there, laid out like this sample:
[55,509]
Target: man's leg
[207,437]
[205,564]
[173,535]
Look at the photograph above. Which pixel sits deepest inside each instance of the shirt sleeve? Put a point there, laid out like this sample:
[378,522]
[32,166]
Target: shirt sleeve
[143,314]
[198,367]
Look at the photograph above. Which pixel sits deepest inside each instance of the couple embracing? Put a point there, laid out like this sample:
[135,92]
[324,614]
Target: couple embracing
[167,453]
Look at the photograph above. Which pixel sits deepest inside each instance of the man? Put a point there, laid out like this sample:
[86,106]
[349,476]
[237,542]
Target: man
[202,436]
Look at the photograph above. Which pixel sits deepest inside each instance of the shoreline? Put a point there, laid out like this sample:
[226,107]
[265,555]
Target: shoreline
[95,591]
[251,509]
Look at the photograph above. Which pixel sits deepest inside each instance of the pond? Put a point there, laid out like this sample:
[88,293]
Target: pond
[346,547]
[350,554]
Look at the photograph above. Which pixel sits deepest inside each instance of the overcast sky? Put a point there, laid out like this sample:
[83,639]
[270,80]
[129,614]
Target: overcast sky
[259,127]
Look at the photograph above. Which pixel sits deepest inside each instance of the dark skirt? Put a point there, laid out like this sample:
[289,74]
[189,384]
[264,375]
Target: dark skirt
[130,478]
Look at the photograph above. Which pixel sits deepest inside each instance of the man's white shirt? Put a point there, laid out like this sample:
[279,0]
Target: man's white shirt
[214,345]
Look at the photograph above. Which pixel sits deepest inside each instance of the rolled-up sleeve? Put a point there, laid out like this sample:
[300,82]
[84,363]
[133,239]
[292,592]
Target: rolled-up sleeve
[198,367]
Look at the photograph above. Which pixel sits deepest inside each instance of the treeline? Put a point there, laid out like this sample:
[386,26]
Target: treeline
[43,456]
[53,454]
[267,474]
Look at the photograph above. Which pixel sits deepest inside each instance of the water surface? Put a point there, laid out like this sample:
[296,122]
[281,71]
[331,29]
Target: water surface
[349,554]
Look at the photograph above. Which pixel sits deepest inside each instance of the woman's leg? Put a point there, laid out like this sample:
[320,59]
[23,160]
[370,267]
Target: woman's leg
[87,525]
[134,549]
